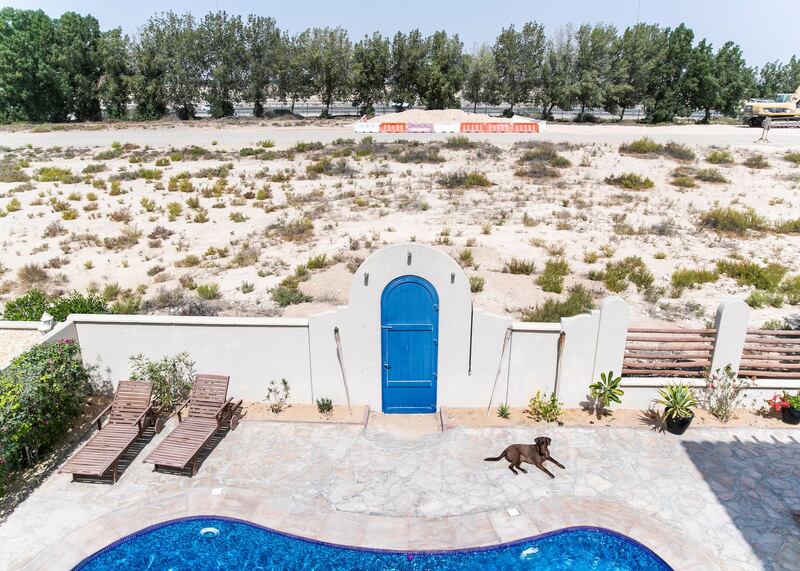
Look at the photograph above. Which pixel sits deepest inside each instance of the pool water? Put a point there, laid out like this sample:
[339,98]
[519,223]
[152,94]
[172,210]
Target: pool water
[215,543]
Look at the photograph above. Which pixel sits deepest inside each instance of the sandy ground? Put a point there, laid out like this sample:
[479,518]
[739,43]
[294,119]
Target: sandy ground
[378,200]
[305,413]
[15,341]
[628,418]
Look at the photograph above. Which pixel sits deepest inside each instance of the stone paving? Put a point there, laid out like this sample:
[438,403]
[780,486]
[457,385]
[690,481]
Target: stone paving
[723,493]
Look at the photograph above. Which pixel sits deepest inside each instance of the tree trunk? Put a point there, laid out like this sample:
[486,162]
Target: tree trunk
[622,115]
[474,106]
[294,98]
[707,116]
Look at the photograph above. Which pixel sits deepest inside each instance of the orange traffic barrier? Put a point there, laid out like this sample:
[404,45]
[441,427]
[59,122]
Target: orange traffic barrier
[525,127]
[472,127]
[393,127]
[498,127]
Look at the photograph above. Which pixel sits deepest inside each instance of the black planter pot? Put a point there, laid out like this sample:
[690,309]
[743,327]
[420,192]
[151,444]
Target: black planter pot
[678,425]
[790,415]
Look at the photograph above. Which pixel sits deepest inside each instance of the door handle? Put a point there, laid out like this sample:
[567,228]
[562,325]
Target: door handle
[387,366]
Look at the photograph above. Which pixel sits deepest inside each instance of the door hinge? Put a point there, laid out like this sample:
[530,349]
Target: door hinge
[436,307]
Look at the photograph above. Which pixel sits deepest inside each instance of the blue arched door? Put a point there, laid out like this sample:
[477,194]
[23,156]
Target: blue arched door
[409,343]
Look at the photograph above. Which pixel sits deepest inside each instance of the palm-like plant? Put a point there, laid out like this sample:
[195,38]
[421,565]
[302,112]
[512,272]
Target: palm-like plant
[678,400]
[605,391]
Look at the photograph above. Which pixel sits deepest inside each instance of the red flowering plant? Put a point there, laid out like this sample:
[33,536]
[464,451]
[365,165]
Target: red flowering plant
[784,400]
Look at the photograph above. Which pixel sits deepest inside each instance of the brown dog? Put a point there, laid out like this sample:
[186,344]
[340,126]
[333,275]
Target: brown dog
[535,454]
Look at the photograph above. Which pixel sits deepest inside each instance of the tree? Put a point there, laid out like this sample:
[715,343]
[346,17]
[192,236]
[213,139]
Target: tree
[114,88]
[223,61]
[371,60]
[443,73]
[329,54]
[405,69]
[736,80]
[262,44]
[518,58]
[481,84]
[594,61]
[77,64]
[557,88]
[148,80]
[642,47]
[701,86]
[29,86]
[666,92]
[294,80]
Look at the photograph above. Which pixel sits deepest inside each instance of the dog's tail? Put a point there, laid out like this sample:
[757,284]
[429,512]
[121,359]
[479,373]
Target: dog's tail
[502,455]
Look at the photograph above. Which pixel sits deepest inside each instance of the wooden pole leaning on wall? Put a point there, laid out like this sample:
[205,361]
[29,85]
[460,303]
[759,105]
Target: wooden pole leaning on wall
[341,365]
[506,339]
[562,338]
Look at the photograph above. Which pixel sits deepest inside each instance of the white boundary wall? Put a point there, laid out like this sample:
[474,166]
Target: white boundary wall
[254,351]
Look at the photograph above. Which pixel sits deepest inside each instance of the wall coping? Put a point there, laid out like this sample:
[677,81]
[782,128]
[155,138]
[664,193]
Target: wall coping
[190,320]
[535,327]
[20,325]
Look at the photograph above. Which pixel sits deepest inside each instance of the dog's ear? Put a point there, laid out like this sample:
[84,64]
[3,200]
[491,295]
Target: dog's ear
[542,441]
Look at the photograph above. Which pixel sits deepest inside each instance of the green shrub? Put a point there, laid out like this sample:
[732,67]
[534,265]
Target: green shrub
[302,147]
[545,407]
[757,161]
[421,154]
[679,152]
[172,377]
[56,174]
[684,182]
[792,157]
[759,299]
[325,406]
[787,226]
[766,278]
[630,181]
[719,158]
[578,301]
[28,307]
[617,275]
[296,230]
[459,142]
[41,394]
[519,266]
[643,146]
[684,277]
[710,175]
[317,262]
[791,288]
[11,171]
[285,295]
[33,304]
[208,291]
[476,284]
[730,219]
[463,179]
[552,279]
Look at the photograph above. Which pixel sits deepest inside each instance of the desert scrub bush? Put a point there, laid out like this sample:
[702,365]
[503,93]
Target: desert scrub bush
[31,274]
[766,278]
[172,377]
[54,229]
[174,210]
[13,205]
[683,182]
[759,299]
[630,181]
[127,238]
[317,262]
[683,278]
[791,288]
[545,407]
[188,261]
[476,284]
[289,293]
[69,214]
[148,204]
[295,230]
[162,162]
[325,406]
[552,279]
[730,219]
[541,161]
[42,393]
[579,300]
[465,258]
[459,142]
[519,266]
[757,161]
[787,226]
[56,174]
[792,157]
[303,147]
[678,151]
[462,179]
[11,171]
[617,275]
[719,158]
[643,146]
[421,154]
[208,291]
[710,175]
[237,216]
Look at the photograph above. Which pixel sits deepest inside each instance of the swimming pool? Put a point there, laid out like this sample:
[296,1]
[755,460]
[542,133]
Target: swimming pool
[201,543]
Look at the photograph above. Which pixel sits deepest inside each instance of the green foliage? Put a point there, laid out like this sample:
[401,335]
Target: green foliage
[630,181]
[643,146]
[172,377]
[678,400]
[503,411]
[730,219]
[792,157]
[463,179]
[41,394]
[719,158]
[325,406]
[544,407]
[278,395]
[685,277]
[552,279]
[617,274]
[56,174]
[757,161]
[33,304]
[766,278]
[606,391]
[519,266]
[208,291]
[317,262]
[371,60]
[759,299]
[579,300]
[476,284]
[289,293]
[710,175]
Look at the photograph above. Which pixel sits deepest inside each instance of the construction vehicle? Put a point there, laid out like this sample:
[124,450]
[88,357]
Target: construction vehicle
[784,110]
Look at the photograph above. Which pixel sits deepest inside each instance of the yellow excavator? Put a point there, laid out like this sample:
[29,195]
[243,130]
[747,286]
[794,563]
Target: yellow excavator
[784,110]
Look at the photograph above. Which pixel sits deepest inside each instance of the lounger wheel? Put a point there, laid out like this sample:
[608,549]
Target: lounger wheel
[234,421]
[159,425]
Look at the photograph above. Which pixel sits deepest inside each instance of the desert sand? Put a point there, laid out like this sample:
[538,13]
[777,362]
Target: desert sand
[247,218]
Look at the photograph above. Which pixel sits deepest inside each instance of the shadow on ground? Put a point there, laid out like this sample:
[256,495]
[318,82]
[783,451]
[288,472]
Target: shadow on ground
[756,481]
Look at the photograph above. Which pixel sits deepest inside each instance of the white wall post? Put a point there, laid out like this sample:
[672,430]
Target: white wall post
[733,317]
[577,360]
[612,333]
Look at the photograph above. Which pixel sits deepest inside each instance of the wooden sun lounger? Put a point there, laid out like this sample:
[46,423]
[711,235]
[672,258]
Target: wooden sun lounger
[128,416]
[209,410]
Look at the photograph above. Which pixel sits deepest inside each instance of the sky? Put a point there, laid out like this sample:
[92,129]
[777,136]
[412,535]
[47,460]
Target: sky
[774,38]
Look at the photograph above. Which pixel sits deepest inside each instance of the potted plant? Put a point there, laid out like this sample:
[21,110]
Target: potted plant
[605,391]
[788,405]
[678,400]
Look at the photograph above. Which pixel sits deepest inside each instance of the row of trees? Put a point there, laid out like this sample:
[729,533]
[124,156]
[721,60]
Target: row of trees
[67,68]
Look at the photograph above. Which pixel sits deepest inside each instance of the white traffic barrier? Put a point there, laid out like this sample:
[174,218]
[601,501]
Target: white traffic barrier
[446,127]
[366,127]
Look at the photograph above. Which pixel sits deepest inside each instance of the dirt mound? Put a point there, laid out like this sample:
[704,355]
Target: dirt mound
[442,116]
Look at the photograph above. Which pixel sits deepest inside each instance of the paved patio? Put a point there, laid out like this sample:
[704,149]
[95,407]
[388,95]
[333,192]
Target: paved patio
[714,498]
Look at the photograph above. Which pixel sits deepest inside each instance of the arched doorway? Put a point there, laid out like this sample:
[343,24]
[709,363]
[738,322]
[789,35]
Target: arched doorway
[409,345]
